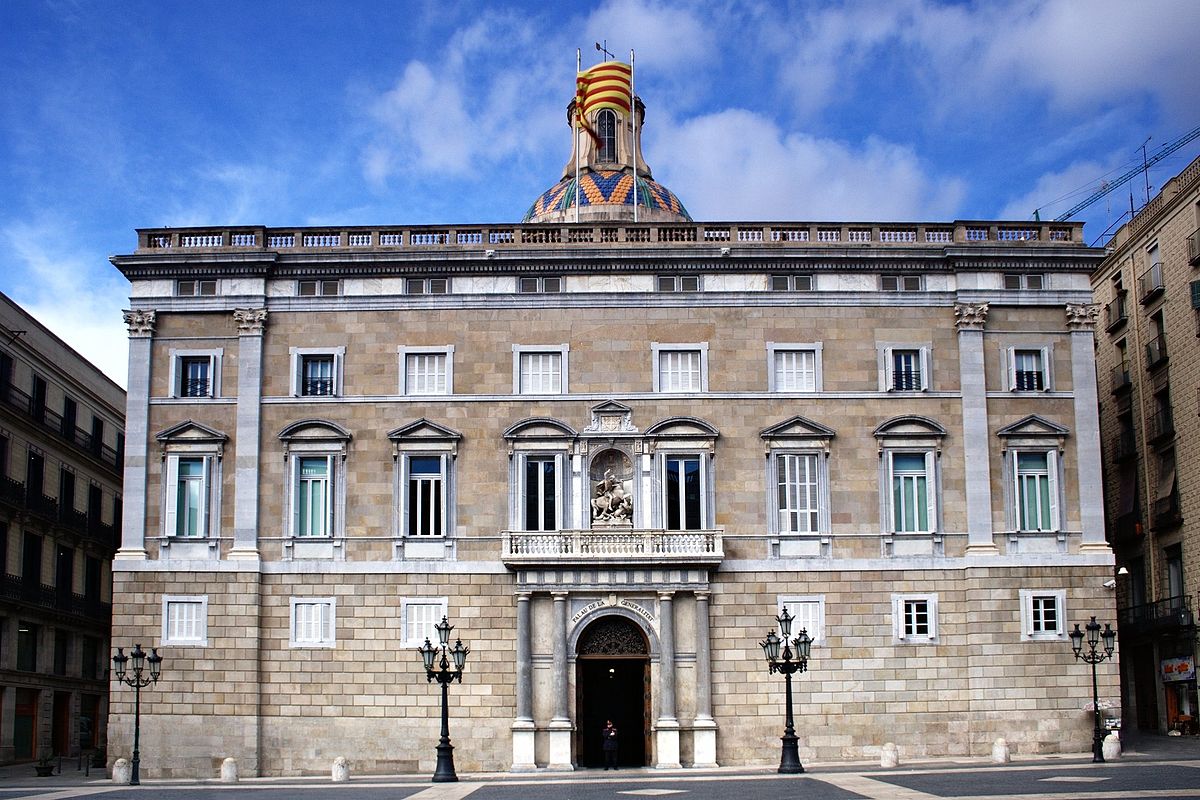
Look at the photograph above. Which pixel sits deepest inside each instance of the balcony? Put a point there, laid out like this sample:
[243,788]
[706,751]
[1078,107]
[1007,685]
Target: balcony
[613,548]
[1172,615]
[52,421]
[1166,512]
[16,588]
[1127,529]
[12,491]
[1160,426]
[1193,247]
[1029,380]
[1156,351]
[1120,378]
[1150,284]
[1123,446]
[1115,314]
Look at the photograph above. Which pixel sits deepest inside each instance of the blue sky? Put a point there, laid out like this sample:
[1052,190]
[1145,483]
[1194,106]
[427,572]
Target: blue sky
[117,115]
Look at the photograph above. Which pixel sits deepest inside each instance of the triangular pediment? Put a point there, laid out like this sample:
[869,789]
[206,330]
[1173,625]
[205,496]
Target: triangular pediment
[424,430]
[682,427]
[798,427]
[540,428]
[611,407]
[1033,425]
[314,430]
[910,425]
[191,431]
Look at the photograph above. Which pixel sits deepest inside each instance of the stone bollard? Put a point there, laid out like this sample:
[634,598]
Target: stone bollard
[1000,751]
[122,771]
[889,756]
[1111,747]
[229,771]
[341,770]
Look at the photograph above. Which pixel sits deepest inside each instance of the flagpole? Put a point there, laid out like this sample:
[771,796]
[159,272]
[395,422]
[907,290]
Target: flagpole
[633,111]
[575,128]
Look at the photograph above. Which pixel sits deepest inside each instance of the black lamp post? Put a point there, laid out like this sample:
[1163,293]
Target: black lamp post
[789,760]
[137,680]
[1094,657]
[444,772]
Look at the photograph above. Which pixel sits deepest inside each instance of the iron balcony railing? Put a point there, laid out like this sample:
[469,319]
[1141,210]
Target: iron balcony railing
[1150,284]
[1115,314]
[1161,616]
[1156,350]
[194,387]
[52,421]
[1124,446]
[613,547]
[906,380]
[1160,425]
[15,587]
[1193,247]
[1120,377]
[1166,511]
[317,387]
[1029,380]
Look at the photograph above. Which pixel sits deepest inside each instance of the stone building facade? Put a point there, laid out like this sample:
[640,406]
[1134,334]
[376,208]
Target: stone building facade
[1149,368]
[61,439]
[610,451]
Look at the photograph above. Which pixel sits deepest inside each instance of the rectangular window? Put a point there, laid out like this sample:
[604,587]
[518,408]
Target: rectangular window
[679,283]
[914,617]
[427,285]
[541,497]
[195,377]
[910,501]
[195,288]
[1032,281]
[791,283]
[420,617]
[548,285]
[314,511]
[191,495]
[679,371]
[683,493]
[907,374]
[808,614]
[313,622]
[795,370]
[90,658]
[798,502]
[426,496]
[62,649]
[318,288]
[1036,490]
[185,620]
[901,283]
[1029,371]
[426,373]
[540,372]
[1042,613]
[317,375]
[27,646]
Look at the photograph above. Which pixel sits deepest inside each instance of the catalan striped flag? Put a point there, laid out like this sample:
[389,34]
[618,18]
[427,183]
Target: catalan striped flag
[606,85]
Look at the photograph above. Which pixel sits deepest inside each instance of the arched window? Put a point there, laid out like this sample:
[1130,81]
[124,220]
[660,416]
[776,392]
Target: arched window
[606,127]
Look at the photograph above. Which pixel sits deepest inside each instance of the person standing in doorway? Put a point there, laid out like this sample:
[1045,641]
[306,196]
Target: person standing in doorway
[609,736]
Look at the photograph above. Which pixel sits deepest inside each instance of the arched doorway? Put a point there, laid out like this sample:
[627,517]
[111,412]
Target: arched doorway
[612,681]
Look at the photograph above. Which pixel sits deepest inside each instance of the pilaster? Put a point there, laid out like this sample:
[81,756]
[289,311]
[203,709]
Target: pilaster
[969,319]
[137,436]
[250,322]
[1081,323]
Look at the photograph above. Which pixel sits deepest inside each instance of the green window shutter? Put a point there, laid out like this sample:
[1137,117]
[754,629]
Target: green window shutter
[1195,294]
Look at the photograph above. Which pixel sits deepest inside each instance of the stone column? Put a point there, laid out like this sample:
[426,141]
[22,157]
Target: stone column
[704,728]
[137,436]
[667,727]
[969,319]
[560,725]
[1081,322]
[250,322]
[8,713]
[523,727]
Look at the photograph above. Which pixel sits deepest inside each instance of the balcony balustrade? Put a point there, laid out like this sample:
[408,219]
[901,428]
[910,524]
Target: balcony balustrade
[52,421]
[1156,350]
[1124,446]
[1160,426]
[1120,378]
[1115,314]
[15,587]
[1166,511]
[1150,284]
[1193,247]
[1173,614]
[613,547]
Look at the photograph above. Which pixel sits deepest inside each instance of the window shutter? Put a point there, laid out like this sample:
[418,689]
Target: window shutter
[206,493]
[931,483]
[898,616]
[1017,489]
[405,498]
[294,483]
[1052,488]
[926,383]
[337,374]
[1195,294]
[1028,611]
[888,373]
[559,494]
[326,614]
[330,494]
[171,484]
[444,500]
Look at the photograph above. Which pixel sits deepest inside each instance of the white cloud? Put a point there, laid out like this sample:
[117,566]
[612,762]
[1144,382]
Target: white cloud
[79,301]
[1057,191]
[740,165]
[665,36]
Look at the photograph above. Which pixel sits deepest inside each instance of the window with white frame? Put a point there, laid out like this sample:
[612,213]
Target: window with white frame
[540,370]
[419,616]
[1029,372]
[191,481]
[1043,613]
[313,622]
[683,492]
[906,369]
[425,495]
[680,368]
[195,373]
[427,372]
[911,491]
[808,614]
[541,492]
[315,494]
[797,480]
[1035,477]
[317,372]
[798,476]
[914,617]
[312,510]
[794,367]
[185,620]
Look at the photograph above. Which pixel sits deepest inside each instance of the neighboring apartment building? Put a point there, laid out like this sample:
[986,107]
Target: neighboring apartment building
[62,428]
[610,451]
[1149,367]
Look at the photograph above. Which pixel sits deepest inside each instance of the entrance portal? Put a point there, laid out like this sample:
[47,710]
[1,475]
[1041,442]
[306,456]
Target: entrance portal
[612,682]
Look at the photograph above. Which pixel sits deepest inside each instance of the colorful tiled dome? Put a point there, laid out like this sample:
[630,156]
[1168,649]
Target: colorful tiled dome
[606,188]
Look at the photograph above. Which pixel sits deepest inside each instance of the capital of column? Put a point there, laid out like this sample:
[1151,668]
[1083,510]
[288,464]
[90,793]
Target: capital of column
[705,596]
[666,595]
[140,323]
[1082,316]
[250,321]
[970,316]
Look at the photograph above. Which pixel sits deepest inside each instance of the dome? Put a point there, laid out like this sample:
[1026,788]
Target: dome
[607,194]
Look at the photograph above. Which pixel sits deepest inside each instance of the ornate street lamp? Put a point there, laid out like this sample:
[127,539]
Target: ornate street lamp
[444,772]
[136,678]
[1094,657]
[788,663]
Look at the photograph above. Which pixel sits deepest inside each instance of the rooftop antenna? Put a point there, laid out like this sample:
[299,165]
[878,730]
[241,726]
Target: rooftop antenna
[603,48]
[1146,168]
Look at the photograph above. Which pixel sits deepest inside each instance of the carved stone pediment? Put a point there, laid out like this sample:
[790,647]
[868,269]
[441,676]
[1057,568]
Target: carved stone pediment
[1033,426]
[910,426]
[611,417]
